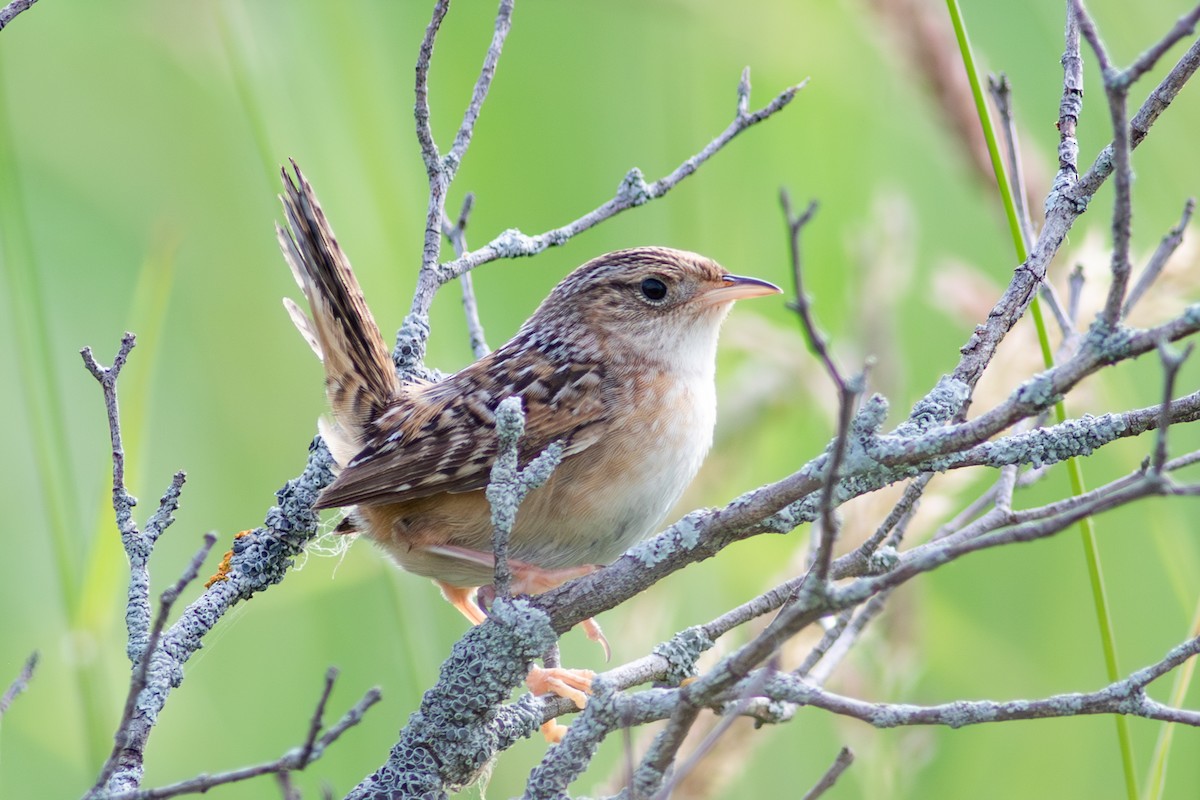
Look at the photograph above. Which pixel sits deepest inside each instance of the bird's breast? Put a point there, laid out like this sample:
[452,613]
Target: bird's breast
[608,497]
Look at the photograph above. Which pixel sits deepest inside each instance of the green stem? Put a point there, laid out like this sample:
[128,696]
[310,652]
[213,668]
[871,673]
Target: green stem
[1087,529]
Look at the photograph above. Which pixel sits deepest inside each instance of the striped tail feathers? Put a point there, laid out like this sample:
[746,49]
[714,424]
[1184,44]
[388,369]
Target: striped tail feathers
[360,378]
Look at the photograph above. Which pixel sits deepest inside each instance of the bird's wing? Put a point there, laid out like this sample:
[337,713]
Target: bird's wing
[441,437]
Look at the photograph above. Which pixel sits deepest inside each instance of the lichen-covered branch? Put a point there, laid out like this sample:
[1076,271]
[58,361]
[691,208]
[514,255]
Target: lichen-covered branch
[10,11]
[258,559]
[509,484]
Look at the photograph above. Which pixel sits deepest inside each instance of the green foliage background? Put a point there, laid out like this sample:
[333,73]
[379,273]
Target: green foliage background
[138,148]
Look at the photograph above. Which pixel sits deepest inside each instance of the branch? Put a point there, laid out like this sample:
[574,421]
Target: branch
[633,191]
[10,11]
[1121,697]
[457,234]
[847,392]
[840,764]
[20,683]
[483,83]
[1069,197]
[1154,267]
[441,171]
[127,753]
[1172,360]
[296,759]
[509,484]
[259,559]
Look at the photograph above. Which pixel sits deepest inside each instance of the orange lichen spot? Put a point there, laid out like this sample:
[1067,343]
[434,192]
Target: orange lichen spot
[222,573]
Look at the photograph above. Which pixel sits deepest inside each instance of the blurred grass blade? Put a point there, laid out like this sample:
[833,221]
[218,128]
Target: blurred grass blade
[42,395]
[38,381]
[242,84]
[1075,470]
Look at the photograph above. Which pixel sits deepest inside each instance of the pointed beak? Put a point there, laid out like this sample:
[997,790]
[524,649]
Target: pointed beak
[738,287]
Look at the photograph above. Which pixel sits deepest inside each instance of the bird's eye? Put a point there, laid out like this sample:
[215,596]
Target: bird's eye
[654,289]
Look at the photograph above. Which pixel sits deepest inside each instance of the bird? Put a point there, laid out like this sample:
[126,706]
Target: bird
[617,365]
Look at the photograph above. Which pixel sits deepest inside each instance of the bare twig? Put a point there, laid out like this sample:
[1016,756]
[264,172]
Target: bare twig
[633,191]
[1001,91]
[1125,696]
[840,764]
[318,717]
[1117,90]
[158,655]
[439,180]
[903,510]
[292,761]
[1172,360]
[482,84]
[429,149]
[10,11]
[847,391]
[1155,103]
[1154,267]
[1074,292]
[20,683]
[457,234]
[137,545]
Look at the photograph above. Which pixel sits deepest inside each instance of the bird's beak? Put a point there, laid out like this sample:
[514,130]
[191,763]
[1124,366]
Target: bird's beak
[738,287]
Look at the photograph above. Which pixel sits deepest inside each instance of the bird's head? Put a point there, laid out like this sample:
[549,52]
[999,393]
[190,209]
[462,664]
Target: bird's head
[663,304]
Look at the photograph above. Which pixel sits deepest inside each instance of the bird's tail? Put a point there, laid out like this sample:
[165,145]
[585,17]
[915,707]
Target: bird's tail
[360,378]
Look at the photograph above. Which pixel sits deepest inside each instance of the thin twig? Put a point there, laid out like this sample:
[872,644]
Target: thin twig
[1172,360]
[317,721]
[820,672]
[20,683]
[483,83]
[1116,87]
[846,393]
[1155,104]
[840,764]
[1184,26]
[749,692]
[292,761]
[902,510]
[457,234]
[124,752]
[1075,292]
[1126,696]
[439,181]
[1166,248]
[429,148]
[633,191]
[1001,91]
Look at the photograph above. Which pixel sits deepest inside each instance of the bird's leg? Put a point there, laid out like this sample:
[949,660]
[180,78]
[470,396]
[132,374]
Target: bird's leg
[463,598]
[527,579]
[572,684]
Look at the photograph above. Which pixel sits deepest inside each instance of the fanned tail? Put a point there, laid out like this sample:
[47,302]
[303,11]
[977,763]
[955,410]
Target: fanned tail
[360,378]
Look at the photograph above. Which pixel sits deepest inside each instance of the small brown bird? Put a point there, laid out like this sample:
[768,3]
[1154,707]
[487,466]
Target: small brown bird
[617,364]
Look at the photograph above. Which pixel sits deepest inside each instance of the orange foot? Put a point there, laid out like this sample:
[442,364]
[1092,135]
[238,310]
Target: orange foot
[572,684]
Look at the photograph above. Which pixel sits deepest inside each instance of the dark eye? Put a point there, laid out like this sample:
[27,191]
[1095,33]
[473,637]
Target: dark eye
[653,289]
